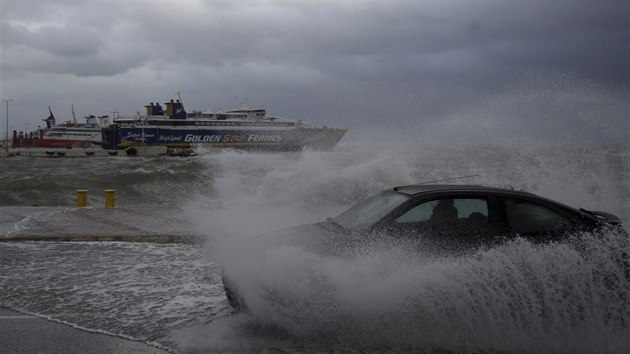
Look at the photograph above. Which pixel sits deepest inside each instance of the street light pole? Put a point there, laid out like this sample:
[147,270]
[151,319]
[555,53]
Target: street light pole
[7,136]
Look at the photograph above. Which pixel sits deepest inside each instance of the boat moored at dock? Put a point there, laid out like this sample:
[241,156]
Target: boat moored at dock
[69,134]
[242,128]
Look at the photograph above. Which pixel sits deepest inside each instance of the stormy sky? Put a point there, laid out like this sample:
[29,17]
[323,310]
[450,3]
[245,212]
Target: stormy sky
[543,72]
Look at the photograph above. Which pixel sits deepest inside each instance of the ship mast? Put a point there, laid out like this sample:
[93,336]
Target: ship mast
[74,118]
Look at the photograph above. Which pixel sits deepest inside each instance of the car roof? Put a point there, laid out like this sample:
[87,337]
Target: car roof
[429,188]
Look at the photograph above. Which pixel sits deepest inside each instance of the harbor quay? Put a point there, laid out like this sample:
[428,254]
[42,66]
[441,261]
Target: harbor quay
[123,224]
[22,333]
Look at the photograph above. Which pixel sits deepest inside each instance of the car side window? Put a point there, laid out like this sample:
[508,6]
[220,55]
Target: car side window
[420,213]
[525,217]
[453,210]
[447,224]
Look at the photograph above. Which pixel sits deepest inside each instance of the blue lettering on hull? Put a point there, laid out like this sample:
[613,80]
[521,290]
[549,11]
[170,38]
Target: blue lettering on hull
[156,136]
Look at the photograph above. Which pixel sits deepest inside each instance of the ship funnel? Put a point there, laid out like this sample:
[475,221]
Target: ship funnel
[175,110]
[50,121]
[104,120]
[154,109]
[91,119]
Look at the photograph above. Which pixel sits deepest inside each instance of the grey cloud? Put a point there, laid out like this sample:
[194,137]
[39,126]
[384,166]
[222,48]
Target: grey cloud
[66,41]
[349,63]
[70,41]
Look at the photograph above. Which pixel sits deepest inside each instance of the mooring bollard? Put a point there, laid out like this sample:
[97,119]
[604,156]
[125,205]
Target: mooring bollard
[110,198]
[81,198]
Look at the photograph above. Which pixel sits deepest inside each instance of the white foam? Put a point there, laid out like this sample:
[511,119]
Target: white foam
[518,297]
[139,291]
[505,299]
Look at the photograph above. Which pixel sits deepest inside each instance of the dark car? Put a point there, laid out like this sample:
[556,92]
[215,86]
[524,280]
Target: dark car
[441,218]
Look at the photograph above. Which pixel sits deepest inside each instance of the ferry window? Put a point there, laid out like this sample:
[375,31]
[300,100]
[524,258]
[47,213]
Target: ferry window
[525,217]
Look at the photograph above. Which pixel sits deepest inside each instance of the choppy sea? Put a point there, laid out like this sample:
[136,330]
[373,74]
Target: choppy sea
[515,298]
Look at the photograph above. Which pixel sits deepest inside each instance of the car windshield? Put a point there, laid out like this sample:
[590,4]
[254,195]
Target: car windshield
[368,212]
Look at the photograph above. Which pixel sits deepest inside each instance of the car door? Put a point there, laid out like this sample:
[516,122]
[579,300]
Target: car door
[451,221]
[534,220]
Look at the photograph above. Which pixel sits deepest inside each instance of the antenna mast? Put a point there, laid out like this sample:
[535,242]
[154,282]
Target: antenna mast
[449,179]
[437,180]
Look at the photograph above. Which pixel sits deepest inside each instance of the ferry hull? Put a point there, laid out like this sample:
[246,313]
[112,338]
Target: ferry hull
[36,142]
[60,143]
[116,137]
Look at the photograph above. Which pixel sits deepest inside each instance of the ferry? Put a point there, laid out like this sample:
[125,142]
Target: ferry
[69,134]
[241,128]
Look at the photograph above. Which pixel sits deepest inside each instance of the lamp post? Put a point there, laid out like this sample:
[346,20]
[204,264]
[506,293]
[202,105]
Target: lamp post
[7,136]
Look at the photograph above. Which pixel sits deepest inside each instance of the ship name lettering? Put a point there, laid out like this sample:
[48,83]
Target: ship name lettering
[170,138]
[137,136]
[234,138]
[260,138]
[191,138]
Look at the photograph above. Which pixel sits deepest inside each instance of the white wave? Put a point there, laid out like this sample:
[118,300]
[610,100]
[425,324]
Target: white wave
[139,291]
[518,297]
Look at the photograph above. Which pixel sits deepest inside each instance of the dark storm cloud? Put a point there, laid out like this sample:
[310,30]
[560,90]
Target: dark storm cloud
[418,66]
[64,41]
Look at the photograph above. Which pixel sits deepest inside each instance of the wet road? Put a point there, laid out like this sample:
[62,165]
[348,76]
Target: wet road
[21,333]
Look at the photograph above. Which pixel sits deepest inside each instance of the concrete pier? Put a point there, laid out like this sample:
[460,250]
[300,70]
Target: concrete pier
[22,333]
[19,224]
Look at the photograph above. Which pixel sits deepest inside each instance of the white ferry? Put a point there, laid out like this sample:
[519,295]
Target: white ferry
[242,128]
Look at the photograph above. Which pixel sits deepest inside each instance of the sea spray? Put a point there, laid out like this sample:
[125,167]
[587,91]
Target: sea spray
[517,297]
[375,300]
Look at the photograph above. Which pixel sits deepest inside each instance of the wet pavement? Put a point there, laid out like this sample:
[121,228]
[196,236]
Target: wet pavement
[22,333]
[92,224]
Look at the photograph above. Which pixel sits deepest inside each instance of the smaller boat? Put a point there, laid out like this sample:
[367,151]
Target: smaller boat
[69,134]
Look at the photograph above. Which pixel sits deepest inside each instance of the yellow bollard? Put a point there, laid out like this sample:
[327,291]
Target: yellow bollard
[110,198]
[81,198]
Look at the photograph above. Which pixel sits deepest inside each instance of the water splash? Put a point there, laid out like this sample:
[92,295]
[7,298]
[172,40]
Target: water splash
[519,297]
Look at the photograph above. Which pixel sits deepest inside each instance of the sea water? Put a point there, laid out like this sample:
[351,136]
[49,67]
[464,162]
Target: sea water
[517,297]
